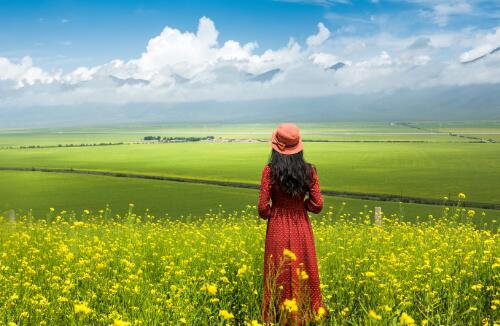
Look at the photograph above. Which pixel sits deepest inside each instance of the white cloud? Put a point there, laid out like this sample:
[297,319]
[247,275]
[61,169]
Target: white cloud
[320,38]
[175,52]
[80,74]
[24,73]
[183,66]
[485,44]
[324,60]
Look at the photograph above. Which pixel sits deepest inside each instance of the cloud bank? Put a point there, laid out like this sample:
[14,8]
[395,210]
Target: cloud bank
[183,66]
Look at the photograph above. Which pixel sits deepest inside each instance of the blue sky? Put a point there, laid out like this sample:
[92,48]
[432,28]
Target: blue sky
[66,34]
[120,52]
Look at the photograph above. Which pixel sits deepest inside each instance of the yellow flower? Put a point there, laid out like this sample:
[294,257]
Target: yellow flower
[424,322]
[387,308]
[437,270]
[405,319]
[461,196]
[374,315]
[471,213]
[82,308]
[210,288]
[290,305]
[290,254]
[369,274]
[321,313]
[24,314]
[302,274]
[477,287]
[118,322]
[254,323]
[242,270]
[183,320]
[62,299]
[344,312]
[226,314]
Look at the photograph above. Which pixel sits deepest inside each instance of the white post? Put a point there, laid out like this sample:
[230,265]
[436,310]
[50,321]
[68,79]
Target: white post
[12,216]
[378,216]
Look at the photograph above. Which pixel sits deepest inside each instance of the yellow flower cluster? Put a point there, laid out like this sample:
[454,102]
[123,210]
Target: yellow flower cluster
[290,305]
[289,254]
[82,308]
[406,319]
[81,268]
[210,288]
[302,274]
[226,314]
[321,313]
[373,314]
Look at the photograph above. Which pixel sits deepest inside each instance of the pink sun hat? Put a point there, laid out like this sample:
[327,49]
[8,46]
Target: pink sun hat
[286,139]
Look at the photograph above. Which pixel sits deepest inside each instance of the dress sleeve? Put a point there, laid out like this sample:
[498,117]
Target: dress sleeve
[314,203]
[264,206]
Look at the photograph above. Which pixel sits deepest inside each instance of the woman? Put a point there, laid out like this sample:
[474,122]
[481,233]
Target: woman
[291,280]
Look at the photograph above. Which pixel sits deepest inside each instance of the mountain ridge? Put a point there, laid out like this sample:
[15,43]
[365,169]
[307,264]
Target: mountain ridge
[471,102]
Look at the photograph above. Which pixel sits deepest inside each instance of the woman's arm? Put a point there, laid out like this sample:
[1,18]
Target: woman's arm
[314,203]
[265,194]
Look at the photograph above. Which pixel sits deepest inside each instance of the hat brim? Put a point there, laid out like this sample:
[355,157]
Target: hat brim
[288,150]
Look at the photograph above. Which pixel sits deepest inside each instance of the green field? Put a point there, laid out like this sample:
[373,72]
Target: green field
[314,131]
[432,170]
[175,199]
[440,166]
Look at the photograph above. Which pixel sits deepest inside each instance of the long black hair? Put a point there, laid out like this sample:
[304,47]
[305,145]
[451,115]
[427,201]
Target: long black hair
[291,172]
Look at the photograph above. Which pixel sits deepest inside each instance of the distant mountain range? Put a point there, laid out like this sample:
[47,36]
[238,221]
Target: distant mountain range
[471,102]
[266,76]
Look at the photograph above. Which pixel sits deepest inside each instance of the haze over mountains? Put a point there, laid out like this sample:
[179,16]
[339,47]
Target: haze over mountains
[471,102]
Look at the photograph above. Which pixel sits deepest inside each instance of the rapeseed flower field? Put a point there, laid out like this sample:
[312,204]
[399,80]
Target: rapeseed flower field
[136,269]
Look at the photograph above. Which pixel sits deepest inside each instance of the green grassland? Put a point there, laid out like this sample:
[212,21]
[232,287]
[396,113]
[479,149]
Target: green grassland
[39,191]
[429,170]
[340,131]
[175,199]
[461,126]
[440,166]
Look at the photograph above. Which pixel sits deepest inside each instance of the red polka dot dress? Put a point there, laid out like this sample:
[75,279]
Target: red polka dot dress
[292,278]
